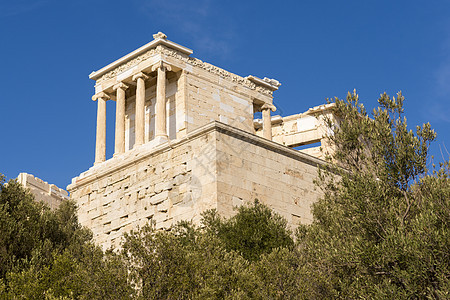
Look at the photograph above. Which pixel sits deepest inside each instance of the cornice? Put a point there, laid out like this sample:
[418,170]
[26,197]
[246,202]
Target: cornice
[271,84]
[170,49]
[142,52]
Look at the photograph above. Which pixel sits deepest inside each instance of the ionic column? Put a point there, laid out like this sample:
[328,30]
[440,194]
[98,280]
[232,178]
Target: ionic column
[267,122]
[139,127]
[120,118]
[160,109]
[100,143]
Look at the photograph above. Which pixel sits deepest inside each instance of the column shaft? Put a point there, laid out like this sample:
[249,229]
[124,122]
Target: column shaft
[160,109]
[267,124]
[139,128]
[100,145]
[120,119]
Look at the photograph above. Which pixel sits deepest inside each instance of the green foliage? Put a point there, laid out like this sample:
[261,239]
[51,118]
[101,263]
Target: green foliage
[184,263]
[381,228]
[215,261]
[19,225]
[46,254]
[253,231]
[278,275]
[53,257]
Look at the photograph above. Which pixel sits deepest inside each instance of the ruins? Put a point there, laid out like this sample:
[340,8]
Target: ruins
[50,194]
[187,140]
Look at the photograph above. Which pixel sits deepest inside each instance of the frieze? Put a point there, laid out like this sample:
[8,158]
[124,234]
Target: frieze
[215,70]
[264,90]
[187,59]
[127,65]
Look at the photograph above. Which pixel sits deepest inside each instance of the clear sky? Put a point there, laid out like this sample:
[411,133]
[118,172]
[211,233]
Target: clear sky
[316,49]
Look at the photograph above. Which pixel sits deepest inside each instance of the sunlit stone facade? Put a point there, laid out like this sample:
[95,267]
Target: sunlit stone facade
[186,140]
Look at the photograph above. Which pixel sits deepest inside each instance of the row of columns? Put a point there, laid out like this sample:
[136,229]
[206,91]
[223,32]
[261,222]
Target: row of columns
[120,88]
[160,113]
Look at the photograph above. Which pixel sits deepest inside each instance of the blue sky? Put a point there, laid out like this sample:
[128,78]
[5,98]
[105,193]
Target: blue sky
[316,49]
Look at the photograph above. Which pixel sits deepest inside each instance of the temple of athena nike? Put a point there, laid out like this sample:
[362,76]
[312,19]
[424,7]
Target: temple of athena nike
[187,139]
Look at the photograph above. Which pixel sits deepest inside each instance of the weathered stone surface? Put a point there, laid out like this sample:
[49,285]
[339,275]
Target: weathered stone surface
[45,192]
[228,168]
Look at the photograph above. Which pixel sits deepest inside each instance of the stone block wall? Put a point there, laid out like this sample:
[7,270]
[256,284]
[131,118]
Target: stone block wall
[212,98]
[216,166]
[159,185]
[253,168]
[208,156]
[42,190]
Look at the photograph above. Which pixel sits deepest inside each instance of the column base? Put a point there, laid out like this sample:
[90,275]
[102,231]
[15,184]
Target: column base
[161,139]
[137,146]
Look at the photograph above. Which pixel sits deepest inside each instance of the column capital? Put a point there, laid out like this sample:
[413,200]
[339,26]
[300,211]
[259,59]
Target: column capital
[161,64]
[120,85]
[101,95]
[268,106]
[139,75]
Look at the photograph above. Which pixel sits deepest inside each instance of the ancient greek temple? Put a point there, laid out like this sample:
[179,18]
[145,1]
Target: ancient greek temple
[191,136]
[132,85]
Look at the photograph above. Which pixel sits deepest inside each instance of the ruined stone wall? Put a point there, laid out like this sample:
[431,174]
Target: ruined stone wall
[42,190]
[305,129]
[161,186]
[211,158]
[216,166]
[253,168]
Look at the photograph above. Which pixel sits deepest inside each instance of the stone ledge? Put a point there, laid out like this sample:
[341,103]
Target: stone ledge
[151,148]
[42,190]
[270,145]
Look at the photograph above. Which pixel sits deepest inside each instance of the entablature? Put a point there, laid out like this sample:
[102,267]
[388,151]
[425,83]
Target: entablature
[138,55]
[178,57]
